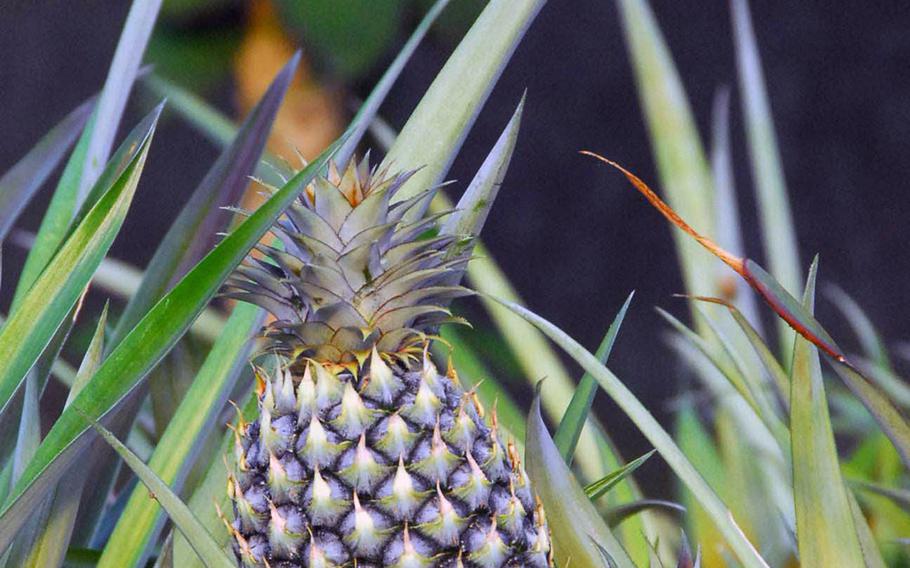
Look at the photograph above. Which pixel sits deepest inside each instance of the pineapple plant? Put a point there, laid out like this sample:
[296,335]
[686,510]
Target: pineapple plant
[356,441]
[363,453]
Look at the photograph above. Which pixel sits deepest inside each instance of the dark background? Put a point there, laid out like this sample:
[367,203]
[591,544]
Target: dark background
[571,235]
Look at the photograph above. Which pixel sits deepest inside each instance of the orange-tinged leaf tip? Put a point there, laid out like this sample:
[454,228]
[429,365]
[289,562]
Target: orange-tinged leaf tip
[731,260]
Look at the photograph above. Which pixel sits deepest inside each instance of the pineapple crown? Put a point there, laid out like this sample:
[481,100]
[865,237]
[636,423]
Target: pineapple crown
[350,270]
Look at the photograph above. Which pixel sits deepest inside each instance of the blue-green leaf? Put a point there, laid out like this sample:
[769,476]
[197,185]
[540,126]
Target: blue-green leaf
[198,536]
[569,430]
[654,432]
[578,531]
[824,523]
[19,184]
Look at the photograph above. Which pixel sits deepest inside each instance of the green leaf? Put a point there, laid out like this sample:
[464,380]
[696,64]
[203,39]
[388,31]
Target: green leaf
[653,431]
[141,349]
[616,515]
[436,129]
[569,430]
[23,180]
[600,487]
[50,544]
[371,107]
[776,219]
[194,230]
[474,206]
[140,522]
[212,491]
[57,221]
[677,147]
[198,536]
[779,377]
[123,70]
[33,323]
[576,526]
[825,531]
[880,370]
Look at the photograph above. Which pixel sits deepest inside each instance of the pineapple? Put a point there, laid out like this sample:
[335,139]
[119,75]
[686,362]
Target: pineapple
[363,453]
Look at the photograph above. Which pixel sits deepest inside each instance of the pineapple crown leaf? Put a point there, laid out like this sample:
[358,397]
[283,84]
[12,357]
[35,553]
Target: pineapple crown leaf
[346,269]
[473,208]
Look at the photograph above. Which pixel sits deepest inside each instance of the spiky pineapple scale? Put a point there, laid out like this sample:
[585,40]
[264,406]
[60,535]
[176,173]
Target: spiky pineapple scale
[363,454]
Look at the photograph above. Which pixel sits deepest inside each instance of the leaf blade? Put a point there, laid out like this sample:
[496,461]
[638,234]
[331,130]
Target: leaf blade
[19,184]
[652,430]
[567,507]
[198,536]
[573,420]
[825,531]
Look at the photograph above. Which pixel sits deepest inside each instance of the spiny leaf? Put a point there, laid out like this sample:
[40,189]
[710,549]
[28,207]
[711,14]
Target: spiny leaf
[578,531]
[569,430]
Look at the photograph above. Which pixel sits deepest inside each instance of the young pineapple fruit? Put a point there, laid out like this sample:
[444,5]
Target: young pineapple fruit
[363,453]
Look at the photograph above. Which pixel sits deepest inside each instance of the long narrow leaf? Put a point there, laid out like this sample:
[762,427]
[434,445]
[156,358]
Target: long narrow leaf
[776,219]
[32,325]
[195,228]
[604,484]
[576,525]
[569,430]
[655,434]
[117,87]
[198,536]
[175,452]
[50,545]
[19,184]
[210,496]
[824,523]
[436,129]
